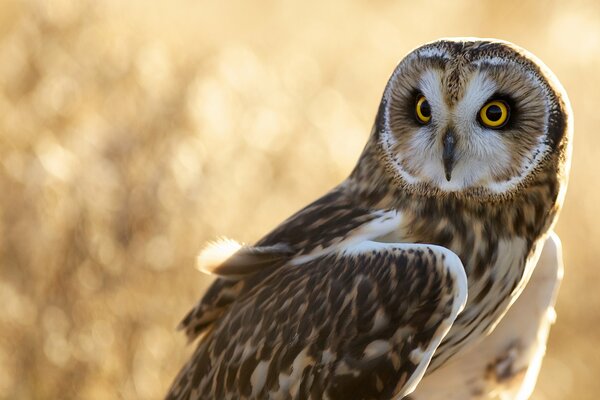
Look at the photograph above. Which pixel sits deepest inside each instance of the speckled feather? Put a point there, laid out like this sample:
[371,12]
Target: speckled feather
[356,324]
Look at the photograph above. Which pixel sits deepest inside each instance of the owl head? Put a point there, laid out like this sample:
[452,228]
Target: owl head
[470,116]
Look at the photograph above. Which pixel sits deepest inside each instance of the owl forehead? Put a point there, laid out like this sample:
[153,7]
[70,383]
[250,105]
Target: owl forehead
[470,68]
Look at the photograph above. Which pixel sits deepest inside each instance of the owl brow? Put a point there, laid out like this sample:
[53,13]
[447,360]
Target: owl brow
[433,52]
[502,96]
[491,61]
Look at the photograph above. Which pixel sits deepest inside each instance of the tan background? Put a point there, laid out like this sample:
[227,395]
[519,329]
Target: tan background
[131,132]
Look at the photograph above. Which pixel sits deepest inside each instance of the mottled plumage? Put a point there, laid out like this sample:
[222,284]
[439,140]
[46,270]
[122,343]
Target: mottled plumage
[362,293]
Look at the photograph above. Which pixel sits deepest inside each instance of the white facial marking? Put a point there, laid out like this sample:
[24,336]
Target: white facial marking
[420,143]
[430,85]
[481,153]
[478,90]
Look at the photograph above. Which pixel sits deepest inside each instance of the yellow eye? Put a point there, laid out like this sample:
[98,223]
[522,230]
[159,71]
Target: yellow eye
[422,109]
[495,114]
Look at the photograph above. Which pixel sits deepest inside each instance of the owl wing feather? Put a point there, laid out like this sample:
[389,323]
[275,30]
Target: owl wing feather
[362,323]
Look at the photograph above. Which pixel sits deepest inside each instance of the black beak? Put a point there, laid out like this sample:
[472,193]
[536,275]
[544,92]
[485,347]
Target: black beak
[448,154]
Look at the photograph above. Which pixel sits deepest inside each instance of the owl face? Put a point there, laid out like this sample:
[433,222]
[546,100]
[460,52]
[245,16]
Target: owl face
[476,116]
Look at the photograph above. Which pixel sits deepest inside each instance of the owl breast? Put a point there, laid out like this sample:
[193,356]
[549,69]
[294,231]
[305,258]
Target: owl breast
[496,263]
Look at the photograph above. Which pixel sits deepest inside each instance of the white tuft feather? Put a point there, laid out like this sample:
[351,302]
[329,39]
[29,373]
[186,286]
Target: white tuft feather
[215,253]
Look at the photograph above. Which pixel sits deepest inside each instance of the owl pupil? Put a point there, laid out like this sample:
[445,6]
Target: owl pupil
[425,109]
[494,113]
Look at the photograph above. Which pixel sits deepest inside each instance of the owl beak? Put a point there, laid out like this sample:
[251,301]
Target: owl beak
[448,153]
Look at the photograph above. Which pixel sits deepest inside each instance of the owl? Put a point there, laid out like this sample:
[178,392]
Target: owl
[429,273]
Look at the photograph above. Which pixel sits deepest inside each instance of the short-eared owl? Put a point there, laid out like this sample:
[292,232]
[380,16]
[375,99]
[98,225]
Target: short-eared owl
[416,276]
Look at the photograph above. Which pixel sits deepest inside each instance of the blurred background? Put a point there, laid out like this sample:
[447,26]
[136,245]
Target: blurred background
[133,132]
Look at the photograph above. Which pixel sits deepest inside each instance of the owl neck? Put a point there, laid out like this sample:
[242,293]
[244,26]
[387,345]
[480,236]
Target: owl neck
[529,213]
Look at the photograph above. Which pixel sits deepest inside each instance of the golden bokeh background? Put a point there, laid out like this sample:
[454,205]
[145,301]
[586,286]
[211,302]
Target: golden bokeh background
[132,132]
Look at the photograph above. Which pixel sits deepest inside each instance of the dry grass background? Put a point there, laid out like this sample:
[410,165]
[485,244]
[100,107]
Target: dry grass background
[133,132]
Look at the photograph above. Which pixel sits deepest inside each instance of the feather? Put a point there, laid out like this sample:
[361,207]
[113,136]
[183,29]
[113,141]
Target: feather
[215,253]
[231,260]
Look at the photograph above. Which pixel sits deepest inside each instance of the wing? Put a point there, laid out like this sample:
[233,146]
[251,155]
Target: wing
[361,322]
[240,270]
[506,363]
[333,221]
